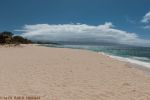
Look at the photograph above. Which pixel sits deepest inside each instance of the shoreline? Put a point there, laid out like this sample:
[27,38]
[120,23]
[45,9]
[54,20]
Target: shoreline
[124,59]
[128,61]
[135,63]
[131,62]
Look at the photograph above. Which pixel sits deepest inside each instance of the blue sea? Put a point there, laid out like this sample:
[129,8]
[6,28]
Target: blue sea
[132,54]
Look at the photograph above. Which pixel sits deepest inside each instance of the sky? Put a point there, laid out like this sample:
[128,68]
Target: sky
[119,21]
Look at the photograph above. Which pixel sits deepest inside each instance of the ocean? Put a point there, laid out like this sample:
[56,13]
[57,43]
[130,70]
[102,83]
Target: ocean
[132,54]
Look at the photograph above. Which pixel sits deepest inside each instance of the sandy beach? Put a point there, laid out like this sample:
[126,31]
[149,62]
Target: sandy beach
[69,74]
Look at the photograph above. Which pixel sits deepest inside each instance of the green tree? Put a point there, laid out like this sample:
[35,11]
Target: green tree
[20,39]
[6,37]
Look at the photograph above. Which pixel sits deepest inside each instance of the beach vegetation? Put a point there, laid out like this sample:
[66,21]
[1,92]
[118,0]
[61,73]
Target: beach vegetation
[9,38]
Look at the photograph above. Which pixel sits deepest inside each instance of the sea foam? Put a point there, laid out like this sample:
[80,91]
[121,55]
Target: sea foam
[130,60]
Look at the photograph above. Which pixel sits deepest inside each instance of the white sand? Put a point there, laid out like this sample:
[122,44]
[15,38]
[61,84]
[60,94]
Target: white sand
[67,74]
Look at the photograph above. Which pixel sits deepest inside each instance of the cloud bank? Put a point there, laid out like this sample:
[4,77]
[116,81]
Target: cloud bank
[82,33]
[146,18]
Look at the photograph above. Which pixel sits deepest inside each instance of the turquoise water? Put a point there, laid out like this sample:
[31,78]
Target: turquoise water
[135,53]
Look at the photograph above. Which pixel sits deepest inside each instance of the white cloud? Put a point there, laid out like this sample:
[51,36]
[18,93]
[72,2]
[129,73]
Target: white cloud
[82,33]
[146,18]
[147,27]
